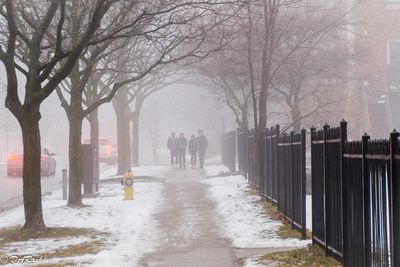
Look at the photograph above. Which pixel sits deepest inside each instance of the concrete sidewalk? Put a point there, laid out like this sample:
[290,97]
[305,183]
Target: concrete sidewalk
[189,225]
[191,229]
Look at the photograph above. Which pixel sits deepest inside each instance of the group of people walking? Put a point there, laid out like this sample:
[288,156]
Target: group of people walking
[197,145]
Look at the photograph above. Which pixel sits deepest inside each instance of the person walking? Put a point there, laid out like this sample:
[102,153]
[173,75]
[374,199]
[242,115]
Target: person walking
[193,150]
[172,145]
[202,145]
[182,144]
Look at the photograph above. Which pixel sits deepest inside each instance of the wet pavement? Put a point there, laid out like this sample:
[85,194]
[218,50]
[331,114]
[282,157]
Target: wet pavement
[189,225]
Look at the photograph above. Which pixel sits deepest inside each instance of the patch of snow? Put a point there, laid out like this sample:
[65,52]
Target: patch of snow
[215,169]
[254,262]
[41,246]
[245,221]
[131,224]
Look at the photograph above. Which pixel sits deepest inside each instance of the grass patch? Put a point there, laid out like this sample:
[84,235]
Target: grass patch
[96,243]
[312,256]
[285,230]
[16,234]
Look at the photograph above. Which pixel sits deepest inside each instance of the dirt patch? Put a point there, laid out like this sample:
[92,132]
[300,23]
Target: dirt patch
[312,256]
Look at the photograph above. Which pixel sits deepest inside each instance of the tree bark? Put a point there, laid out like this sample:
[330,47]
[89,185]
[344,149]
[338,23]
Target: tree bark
[94,134]
[122,111]
[75,119]
[32,171]
[75,173]
[135,137]
[135,118]
[296,118]
[123,141]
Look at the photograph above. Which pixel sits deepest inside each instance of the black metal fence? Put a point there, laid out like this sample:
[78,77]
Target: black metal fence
[229,150]
[355,189]
[371,202]
[282,156]
[326,162]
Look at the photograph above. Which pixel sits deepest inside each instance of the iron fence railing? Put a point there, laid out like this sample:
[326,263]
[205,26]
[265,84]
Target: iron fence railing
[229,150]
[355,188]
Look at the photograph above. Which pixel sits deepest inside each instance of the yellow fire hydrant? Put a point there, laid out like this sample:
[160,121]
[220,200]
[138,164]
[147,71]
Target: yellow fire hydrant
[128,185]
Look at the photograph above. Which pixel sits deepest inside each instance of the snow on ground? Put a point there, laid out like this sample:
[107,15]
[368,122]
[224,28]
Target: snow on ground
[215,169]
[153,171]
[253,262]
[131,224]
[246,224]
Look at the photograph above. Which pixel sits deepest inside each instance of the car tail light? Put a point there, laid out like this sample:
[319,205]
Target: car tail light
[42,158]
[11,157]
[110,148]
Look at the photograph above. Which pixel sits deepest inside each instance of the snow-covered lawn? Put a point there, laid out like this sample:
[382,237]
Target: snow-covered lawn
[246,223]
[131,225]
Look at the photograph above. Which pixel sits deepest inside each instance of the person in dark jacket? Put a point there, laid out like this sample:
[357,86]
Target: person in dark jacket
[182,144]
[193,150]
[172,145]
[202,145]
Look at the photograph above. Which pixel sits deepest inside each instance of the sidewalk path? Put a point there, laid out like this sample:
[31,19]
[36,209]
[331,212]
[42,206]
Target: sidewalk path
[189,225]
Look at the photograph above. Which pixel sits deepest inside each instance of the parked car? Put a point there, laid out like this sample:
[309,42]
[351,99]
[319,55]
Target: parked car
[15,163]
[107,151]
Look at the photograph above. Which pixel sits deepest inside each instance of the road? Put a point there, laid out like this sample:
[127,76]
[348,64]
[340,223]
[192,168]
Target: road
[11,187]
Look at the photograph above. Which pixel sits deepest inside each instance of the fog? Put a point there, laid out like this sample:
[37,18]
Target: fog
[180,132]
[181,108]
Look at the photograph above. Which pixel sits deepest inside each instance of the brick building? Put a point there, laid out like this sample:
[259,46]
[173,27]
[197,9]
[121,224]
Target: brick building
[376,43]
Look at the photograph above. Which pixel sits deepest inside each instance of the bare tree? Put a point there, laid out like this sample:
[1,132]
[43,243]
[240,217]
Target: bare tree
[167,34]
[35,41]
[313,79]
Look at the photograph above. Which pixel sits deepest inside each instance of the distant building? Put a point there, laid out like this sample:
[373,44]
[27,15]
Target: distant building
[376,43]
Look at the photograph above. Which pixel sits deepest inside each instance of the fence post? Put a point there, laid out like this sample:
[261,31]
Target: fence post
[246,154]
[394,192]
[365,190]
[343,139]
[312,134]
[276,163]
[327,214]
[303,185]
[291,177]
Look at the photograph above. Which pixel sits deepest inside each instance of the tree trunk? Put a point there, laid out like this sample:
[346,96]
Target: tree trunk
[122,111]
[75,173]
[245,119]
[124,155]
[135,138]
[32,172]
[136,127]
[296,119]
[94,134]
[155,153]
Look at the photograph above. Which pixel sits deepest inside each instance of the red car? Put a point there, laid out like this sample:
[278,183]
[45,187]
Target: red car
[15,163]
